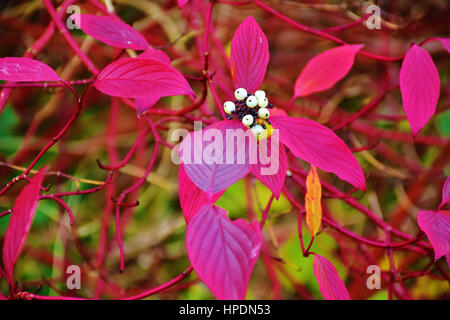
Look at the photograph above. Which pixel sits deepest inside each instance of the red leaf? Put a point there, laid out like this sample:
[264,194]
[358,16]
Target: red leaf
[319,146]
[191,197]
[249,55]
[141,78]
[25,69]
[330,284]
[446,191]
[223,252]
[446,43]
[143,104]
[436,226]
[271,168]
[155,54]
[419,85]
[113,32]
[181,3]
[324,70]
[214,162]
[20,222]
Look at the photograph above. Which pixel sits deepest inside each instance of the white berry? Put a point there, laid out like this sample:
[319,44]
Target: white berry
[263,102]
[240,94]
[257,129]
[263,113]
[229,107]
[251,101]
[247,120]
[260,94]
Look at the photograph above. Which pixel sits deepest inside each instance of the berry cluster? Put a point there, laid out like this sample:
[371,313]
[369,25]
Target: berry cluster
[251,109]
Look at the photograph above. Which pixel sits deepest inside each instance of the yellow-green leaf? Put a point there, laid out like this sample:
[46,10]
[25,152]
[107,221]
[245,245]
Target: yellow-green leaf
[312,201]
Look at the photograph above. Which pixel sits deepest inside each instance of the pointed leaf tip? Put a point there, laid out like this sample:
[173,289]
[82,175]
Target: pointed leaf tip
[330,284]
[20,222]
[25,69]
[223,252]
[419,86]
[249,55]
[324,70]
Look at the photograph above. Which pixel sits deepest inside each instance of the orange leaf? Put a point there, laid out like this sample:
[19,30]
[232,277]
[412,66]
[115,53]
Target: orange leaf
[312,201]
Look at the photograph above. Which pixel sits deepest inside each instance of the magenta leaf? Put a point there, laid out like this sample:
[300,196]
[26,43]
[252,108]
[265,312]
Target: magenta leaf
[146,103]
[446,191]
[324,70]
[141,78]
[26,69]
[155,54]
[113,32]
[20,222]
[214,160]
[249,55]
[143,104]
[191,197]
[223,252]
[330,284]
[419,85]
[181,3]
[436,226]
[271,167]
[319,146]
[446,43]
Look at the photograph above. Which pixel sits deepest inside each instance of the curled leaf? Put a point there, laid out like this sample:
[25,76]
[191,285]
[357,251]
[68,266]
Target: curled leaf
[313,204]
[20,222]
[111,31]
[223,252]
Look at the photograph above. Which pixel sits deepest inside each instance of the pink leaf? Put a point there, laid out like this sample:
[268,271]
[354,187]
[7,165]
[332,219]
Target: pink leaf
[330,284]
[319,146]
[20,223]
[446,191]
[143,104]
[436,226]
[223,252]
[249,55]
[146,103]
[191,197]
[181,3]
[141,78]
[446,43]
[113,32]
[155,54]
[25,69]
[271,168]
[213,160]
[419,85]
[324,70]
